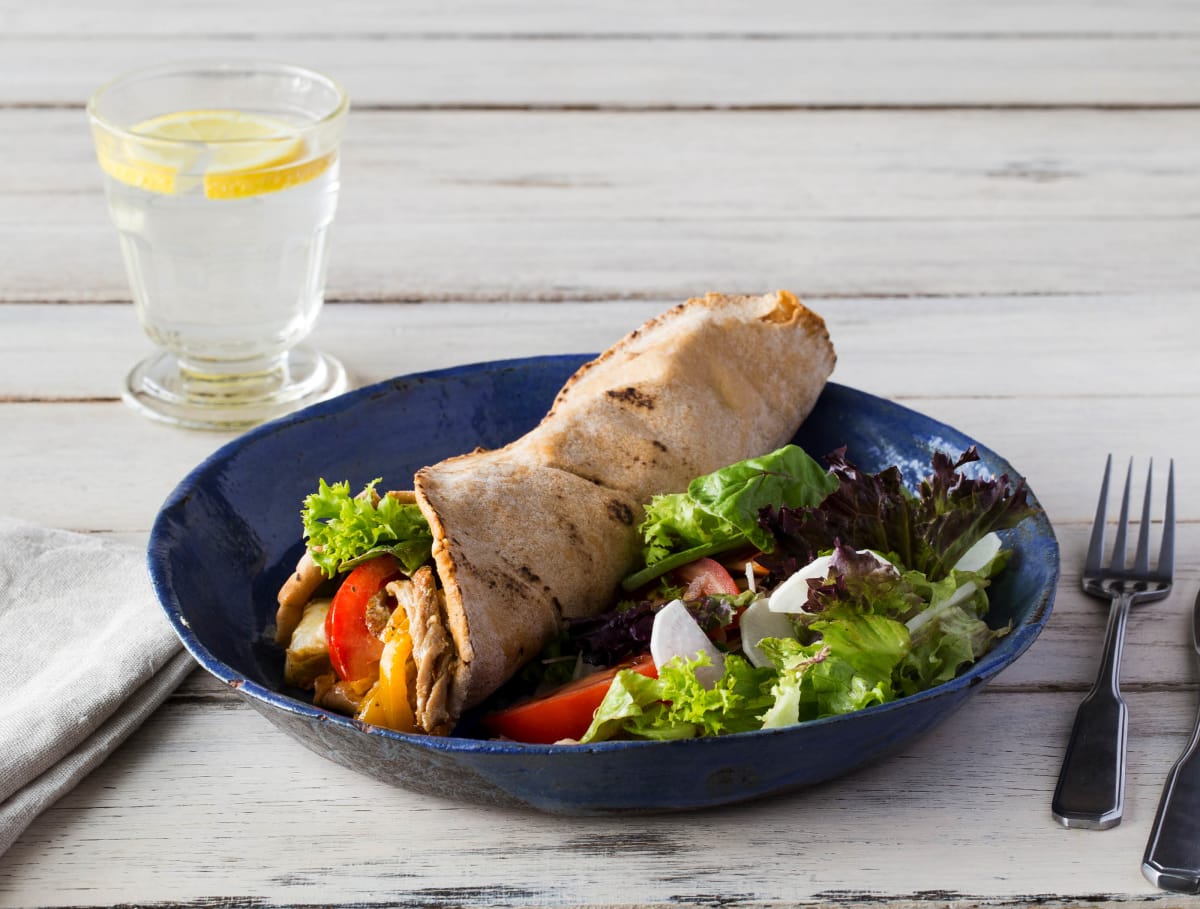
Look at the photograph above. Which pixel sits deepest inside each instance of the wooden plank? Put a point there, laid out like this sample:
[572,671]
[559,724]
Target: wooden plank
[787,166]
[834,71]
[608,205]
[986,348]
[687,73]
[620,17]
[486,259]
[222,802]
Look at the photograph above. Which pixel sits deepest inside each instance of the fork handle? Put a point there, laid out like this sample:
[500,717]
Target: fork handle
[1172,859]
[1091,783]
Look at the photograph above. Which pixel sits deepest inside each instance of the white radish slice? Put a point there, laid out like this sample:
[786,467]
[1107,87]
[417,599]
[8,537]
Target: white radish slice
[792,595]
[676,634]
[758,622]
[977,557]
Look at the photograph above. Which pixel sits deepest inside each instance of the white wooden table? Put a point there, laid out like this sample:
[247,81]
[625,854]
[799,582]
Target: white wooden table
[995,206]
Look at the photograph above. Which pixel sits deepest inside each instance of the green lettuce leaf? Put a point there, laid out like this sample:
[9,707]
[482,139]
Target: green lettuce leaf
[949,636]
[344,530]
[737,493]
[720,511]
[871,644]
[678,522]
[848,668]
[676,705]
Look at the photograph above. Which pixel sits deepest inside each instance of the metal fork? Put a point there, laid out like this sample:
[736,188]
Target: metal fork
[1091,784]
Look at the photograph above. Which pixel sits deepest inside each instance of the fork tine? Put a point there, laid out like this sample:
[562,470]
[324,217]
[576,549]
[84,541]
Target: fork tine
[1141,562]
[1118,556]
[1096,546]
[1166,555]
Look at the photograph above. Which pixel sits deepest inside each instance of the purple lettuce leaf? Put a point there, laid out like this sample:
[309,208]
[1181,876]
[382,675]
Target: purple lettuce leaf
[928,531]
[624,632]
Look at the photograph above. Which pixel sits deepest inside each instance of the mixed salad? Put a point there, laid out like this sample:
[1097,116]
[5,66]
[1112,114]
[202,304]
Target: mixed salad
[777,591]
[773,591]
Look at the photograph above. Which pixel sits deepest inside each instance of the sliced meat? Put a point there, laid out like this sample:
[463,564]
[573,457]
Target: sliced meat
[433,653]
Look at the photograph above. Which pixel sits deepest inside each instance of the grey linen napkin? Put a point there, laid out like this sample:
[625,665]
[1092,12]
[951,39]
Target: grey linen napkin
[85,656]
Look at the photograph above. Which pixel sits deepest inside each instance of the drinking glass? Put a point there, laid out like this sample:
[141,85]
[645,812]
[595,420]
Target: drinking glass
[222,181]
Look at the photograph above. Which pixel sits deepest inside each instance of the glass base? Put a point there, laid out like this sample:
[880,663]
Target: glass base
[162,388]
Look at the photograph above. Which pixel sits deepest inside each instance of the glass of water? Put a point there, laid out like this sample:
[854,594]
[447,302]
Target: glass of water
[222,181]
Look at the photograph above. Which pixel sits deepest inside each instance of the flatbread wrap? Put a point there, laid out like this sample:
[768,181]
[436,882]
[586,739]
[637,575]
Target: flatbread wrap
[542,530]
[531,536]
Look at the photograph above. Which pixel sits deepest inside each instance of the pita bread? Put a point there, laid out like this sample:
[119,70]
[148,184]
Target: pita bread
[543,530]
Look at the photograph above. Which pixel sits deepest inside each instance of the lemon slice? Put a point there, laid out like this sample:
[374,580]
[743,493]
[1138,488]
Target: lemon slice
[240,154]
[238,183]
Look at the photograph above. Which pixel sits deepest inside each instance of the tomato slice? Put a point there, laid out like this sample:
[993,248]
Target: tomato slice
[705,577]
[353,650]
[564,713]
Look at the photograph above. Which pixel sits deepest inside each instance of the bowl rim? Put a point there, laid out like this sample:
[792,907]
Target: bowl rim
[1012,646]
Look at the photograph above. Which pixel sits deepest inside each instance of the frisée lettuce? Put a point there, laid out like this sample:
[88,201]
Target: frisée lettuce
[676,705]
[343,531]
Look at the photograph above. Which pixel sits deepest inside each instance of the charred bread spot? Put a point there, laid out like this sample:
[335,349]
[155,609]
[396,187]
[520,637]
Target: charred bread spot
[633,396]
[528,575]
[620,512]
[659,445]
[519,587]
[497,579]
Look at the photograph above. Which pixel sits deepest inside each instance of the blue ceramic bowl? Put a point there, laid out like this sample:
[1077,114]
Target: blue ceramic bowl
[230,533]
